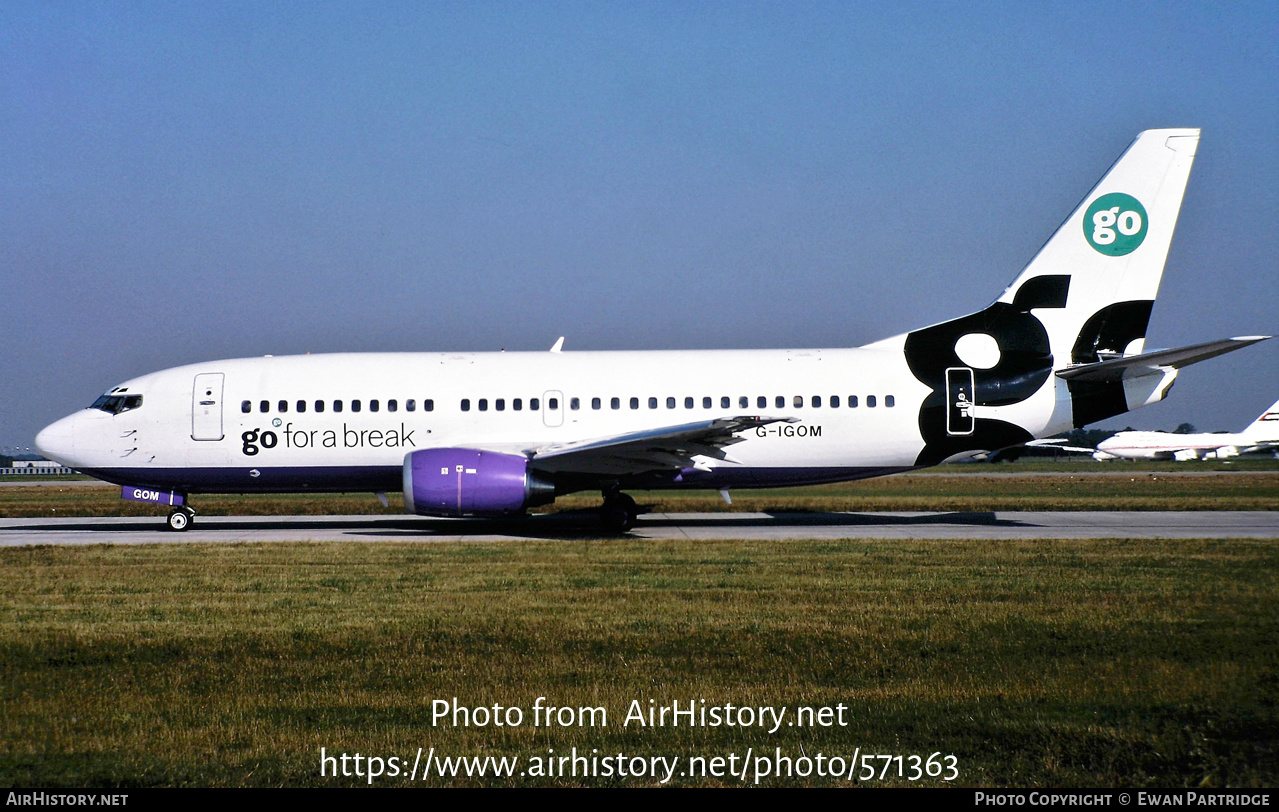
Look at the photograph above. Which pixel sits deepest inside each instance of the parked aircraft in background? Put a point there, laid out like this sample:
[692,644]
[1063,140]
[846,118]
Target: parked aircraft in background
[485,434]
[1260,435]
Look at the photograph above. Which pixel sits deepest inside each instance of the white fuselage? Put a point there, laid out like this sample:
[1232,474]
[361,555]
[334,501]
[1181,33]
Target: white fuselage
[855,412]
[1163,445]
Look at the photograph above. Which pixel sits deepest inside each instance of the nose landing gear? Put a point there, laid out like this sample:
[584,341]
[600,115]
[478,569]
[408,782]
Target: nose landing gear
[180,518]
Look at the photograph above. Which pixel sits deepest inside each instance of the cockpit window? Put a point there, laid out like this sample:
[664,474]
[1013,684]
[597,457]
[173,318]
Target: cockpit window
[115,404]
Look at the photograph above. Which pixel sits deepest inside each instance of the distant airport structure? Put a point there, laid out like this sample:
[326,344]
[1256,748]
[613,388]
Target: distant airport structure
[35,468]
[1261,435]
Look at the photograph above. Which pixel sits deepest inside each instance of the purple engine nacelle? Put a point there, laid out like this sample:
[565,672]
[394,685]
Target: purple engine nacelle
[467,482]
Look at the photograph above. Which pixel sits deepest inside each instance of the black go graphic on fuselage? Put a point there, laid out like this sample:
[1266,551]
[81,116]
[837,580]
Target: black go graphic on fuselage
[1107,333]
[255,437]
[1025,363]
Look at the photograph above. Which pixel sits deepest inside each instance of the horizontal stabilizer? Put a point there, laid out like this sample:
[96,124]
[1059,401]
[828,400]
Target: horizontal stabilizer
[1116,369]
[1060,444]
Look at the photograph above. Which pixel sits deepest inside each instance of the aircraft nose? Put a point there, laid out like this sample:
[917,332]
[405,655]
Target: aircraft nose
[57,441]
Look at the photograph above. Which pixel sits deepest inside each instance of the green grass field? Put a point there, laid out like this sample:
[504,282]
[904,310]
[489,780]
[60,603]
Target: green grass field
[1063,663]
[1251,485]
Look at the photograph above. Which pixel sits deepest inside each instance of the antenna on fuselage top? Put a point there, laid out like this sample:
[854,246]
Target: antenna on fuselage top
[558,346]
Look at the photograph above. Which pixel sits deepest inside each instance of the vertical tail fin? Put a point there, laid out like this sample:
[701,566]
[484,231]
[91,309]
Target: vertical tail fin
[1108,257]
[1112,249]
[1086,296]
[1266,427]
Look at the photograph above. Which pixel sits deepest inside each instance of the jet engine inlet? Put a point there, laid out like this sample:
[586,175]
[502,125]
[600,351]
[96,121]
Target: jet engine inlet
[469,482]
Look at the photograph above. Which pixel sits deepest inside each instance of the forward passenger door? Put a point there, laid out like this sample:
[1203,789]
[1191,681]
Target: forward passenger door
[206,407]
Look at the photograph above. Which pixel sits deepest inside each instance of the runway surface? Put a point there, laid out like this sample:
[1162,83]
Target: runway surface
[655,526]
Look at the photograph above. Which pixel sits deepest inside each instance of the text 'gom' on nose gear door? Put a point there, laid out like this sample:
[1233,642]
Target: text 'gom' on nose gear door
[959,401]
[206,407]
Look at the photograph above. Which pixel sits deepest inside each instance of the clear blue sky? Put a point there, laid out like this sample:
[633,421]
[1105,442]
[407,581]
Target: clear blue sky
[183,182]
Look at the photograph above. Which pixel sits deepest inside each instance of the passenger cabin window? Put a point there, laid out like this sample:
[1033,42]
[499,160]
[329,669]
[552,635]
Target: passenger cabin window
[817,401]
[517,404]
[798,401]
[284,406]
[355,405]
[688,403]
[392,405]
[761,402]
[706,403]
[246,406]
[634,403]
[743,402]
[670,403]
[652,403]
[374,405]
[781,401]
[870,401]
[724,402]
[834,401]
[575,403]
[533,404]
[115,404]
[852,401]
[484,404]
[337,405]
[499,404]
[890,401]
[466,404]
[615,403]
[595,403]
[552,403]
[319,406]
[428,405]
[264,406]
[301,405]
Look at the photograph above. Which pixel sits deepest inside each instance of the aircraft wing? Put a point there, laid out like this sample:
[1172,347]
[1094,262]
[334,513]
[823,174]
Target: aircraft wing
[668,448]
[1116,369]
[1263,445]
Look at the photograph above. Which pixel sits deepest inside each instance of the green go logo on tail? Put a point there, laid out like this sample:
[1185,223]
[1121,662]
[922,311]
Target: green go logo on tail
[1115,224]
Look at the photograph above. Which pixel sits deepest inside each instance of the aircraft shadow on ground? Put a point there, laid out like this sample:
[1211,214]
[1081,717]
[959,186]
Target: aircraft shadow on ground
[565,525]
[584,525]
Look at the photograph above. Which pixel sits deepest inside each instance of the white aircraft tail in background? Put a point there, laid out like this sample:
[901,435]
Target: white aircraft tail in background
[1265,429]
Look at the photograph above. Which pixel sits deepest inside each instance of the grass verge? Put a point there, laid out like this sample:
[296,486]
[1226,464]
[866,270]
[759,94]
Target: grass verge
[1049,663]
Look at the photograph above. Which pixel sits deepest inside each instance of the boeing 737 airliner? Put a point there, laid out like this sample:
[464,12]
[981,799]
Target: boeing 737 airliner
[491,434]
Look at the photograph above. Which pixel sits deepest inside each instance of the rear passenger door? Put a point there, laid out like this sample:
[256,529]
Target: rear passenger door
[959,401]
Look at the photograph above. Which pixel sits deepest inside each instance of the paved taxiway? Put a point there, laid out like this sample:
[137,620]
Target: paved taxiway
[570,526]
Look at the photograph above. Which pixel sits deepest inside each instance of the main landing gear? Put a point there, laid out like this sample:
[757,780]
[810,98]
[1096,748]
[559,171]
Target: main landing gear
[618,512]
[180,518]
